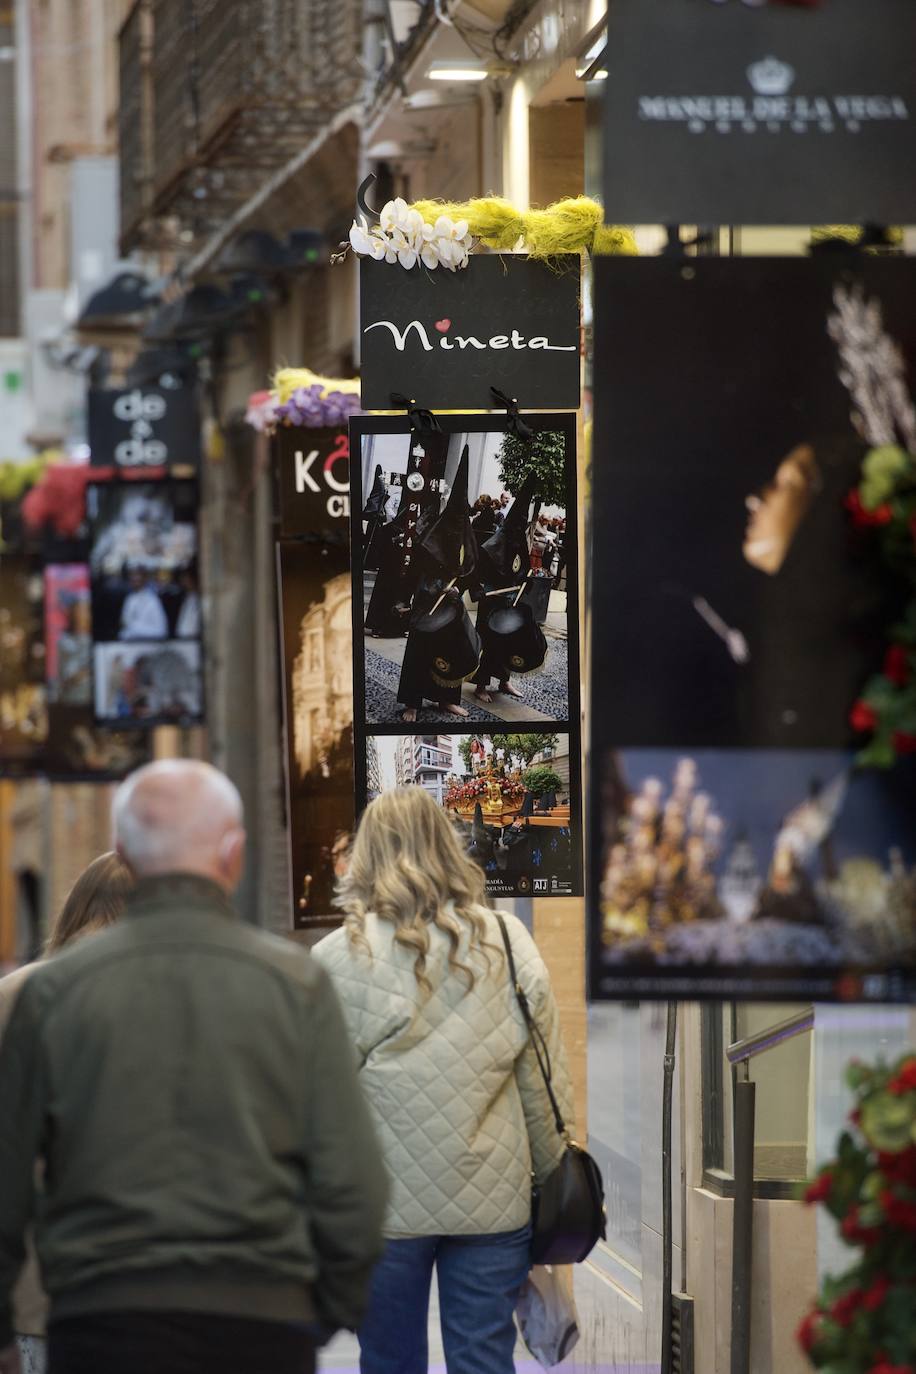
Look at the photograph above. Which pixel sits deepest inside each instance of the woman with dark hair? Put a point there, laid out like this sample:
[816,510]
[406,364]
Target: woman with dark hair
[96,900]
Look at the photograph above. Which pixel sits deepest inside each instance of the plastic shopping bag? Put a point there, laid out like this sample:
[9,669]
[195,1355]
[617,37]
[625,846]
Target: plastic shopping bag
[546,1314]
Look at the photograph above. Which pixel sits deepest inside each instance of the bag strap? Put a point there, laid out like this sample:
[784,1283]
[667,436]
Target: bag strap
[538,1042]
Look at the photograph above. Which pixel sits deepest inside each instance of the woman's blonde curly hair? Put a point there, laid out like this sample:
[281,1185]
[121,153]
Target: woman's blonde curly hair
[408,866]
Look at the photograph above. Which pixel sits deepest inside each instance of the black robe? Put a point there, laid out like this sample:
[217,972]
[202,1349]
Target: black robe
[416,683]
[394,584]
[493,664]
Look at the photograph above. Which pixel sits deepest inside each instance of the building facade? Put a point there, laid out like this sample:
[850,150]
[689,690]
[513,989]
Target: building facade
[425,761]
[322,676]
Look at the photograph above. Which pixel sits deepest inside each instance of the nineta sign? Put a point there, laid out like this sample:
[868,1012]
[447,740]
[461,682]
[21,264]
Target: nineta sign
[444,339]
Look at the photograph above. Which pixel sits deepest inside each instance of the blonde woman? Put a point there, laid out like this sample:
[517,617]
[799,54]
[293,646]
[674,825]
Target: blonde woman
[452,1081]
[96,900]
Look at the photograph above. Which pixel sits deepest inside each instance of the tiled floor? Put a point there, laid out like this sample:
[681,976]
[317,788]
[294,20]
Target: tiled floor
[342,1355]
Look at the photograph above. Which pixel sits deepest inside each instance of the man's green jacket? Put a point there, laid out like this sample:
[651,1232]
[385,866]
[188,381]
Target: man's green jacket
[188,1083]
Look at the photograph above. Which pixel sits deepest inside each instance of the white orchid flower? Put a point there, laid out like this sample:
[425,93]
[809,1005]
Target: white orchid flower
[366,242]
[447,228]
[359,236]
[393,214]
[403,236]
[429,254]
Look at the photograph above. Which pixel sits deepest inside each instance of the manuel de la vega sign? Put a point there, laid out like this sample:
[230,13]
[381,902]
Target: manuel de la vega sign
[144,427]
[444,339]
[313,470]
[780,114]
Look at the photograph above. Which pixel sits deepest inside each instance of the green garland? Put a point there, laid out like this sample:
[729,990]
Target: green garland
[885,502]
[863,1322]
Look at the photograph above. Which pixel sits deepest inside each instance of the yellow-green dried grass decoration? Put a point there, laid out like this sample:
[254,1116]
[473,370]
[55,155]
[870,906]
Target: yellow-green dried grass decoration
[290,379]
[573,225]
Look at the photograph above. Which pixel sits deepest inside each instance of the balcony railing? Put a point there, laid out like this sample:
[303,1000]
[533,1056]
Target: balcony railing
[235,91]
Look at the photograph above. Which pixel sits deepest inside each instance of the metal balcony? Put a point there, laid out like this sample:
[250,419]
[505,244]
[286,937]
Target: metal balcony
[236,90]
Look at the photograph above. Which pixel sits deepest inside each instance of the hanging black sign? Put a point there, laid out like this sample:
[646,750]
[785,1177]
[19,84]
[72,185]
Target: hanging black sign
[313,475]
[144,427]
[445,338]
[777,114]
[753,737]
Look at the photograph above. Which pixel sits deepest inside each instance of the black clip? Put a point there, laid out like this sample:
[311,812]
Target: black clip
[420,420]
[510,405]
[361,201]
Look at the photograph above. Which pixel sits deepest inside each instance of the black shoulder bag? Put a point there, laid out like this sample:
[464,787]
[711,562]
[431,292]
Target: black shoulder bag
[568,1217]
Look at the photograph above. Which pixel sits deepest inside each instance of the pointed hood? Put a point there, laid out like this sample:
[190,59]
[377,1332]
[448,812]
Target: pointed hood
[375,502]
[527,807]
[504,557]
[449,541]
[426,455]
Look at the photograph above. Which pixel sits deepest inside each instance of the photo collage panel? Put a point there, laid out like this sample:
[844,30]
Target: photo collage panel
[465,618]
[146,607]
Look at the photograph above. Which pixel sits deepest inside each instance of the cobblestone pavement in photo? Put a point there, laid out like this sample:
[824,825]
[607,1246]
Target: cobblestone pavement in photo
[383,707]
[544,692]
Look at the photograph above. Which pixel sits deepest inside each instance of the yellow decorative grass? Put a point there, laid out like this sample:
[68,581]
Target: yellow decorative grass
[290,379]
[573,225]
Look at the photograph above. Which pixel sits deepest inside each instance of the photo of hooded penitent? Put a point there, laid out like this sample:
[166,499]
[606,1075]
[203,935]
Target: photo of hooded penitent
[318,699]
[464,557]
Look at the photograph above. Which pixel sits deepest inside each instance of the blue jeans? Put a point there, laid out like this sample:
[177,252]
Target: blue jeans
[480,1278]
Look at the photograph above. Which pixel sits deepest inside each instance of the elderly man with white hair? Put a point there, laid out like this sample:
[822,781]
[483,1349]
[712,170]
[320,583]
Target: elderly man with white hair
[213,1191]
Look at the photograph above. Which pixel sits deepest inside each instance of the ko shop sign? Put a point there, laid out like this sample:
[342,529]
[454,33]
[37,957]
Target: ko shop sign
[144,427]
[773,114]
[313,468]
[443,339]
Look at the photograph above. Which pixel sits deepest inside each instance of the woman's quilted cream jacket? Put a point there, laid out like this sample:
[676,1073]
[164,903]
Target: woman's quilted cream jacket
[452,1081]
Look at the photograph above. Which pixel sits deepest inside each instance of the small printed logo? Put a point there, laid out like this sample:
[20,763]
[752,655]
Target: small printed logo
[524,885]
[771,77]
[443,326]
[540,884]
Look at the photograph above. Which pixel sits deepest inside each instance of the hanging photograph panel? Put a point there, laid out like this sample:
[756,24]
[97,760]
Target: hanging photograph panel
[468,590]
[23,691]
[764,114]
[78,749]
[146,602]
[316,621]
[425,540]
[752,629]
[514,797]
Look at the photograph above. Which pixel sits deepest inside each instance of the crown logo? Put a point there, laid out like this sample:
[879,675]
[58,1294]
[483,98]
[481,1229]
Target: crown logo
[771,77]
